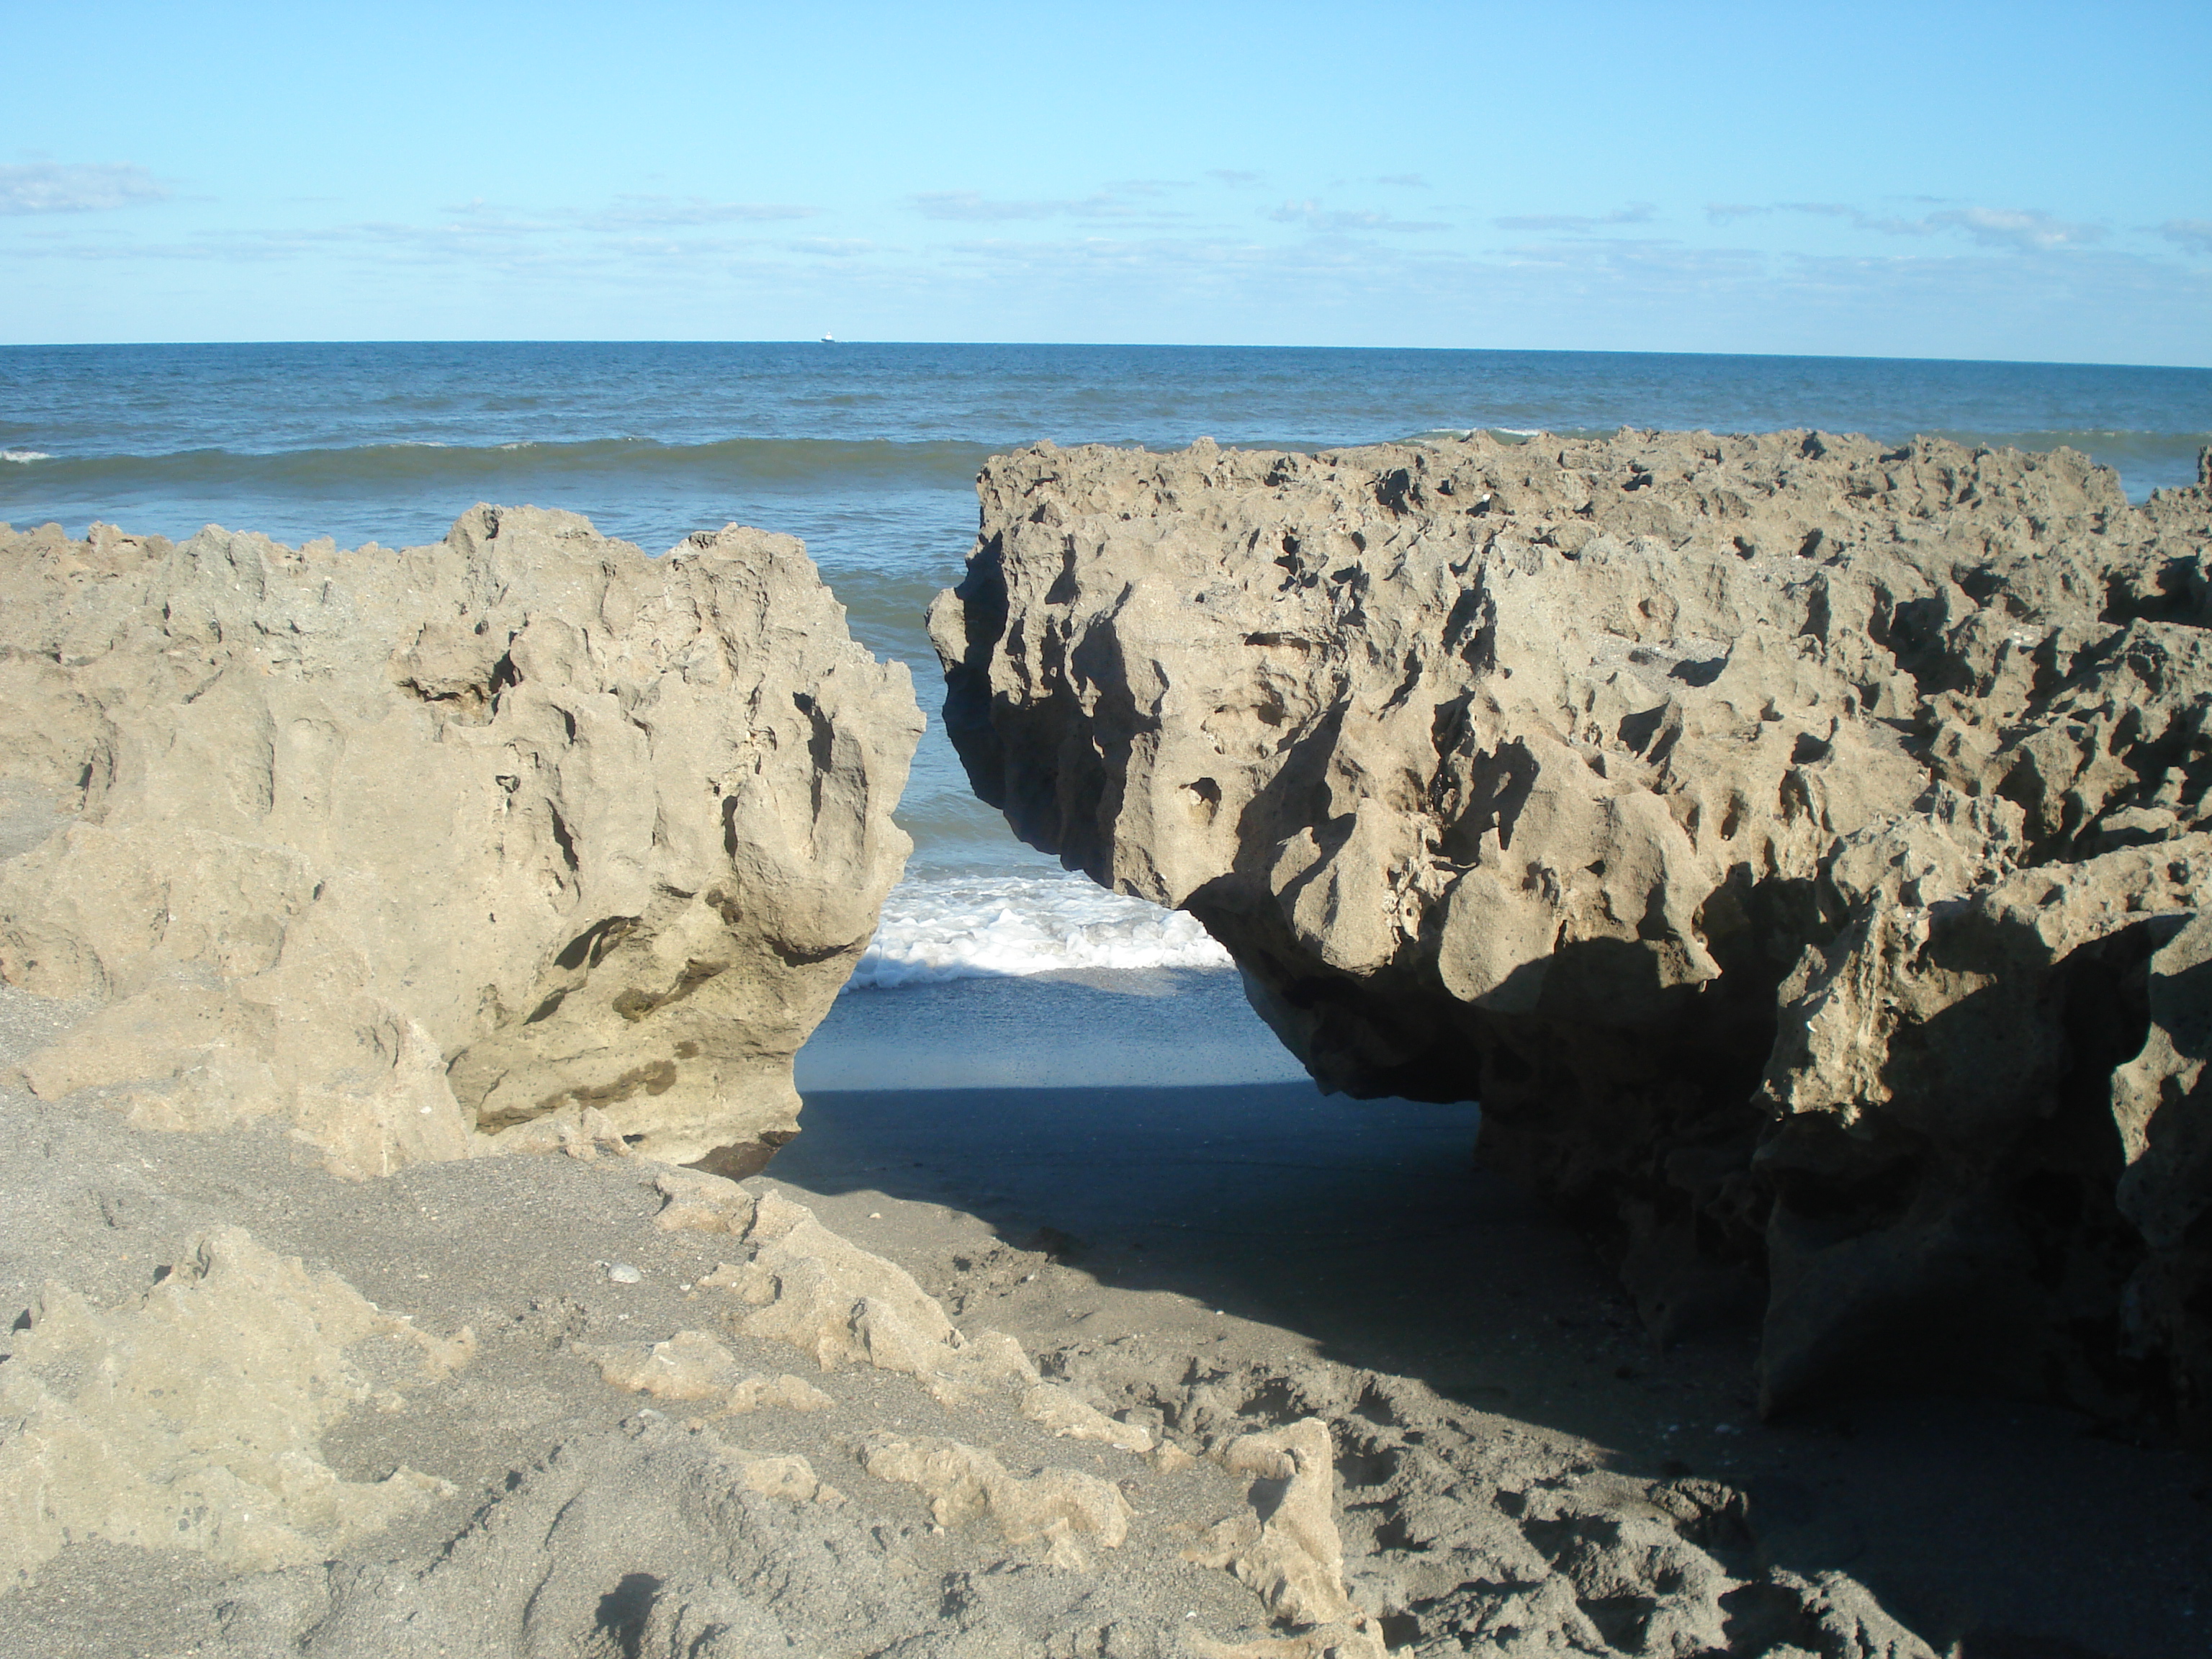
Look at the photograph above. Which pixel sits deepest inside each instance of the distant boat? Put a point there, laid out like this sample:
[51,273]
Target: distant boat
[829,340]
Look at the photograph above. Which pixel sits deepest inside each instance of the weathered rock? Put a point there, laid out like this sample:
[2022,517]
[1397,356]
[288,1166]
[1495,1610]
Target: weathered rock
[1287,1549]
[1057,1407]
[421,846]
[1056,1507]
[689,1366]
[839,1304]
[191,1419]
[1678,797]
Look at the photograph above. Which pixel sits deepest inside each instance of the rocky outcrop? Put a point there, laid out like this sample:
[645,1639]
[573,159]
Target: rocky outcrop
[1795,844]
[522,837]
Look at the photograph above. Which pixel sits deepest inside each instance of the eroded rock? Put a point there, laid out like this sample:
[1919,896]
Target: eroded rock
[190,1419]
[423,848]
[1059,1509]
[840,1304]
[1774,834]
[1287,1550]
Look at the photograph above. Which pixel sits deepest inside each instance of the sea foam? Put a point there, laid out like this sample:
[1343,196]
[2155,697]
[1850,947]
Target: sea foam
[24,457]
[937,927]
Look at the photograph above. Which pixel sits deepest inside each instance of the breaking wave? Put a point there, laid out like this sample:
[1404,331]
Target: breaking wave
[996,925]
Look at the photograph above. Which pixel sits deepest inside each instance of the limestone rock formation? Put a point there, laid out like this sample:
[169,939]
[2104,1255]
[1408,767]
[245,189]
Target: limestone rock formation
[190,1420]
[423,847]
[1793,842]
[1290,1555]
[839,1303]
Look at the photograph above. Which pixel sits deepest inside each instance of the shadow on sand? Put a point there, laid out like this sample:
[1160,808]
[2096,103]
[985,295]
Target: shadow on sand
[1363,1227]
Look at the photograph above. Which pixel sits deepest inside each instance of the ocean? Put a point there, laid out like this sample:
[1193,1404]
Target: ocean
[869,453]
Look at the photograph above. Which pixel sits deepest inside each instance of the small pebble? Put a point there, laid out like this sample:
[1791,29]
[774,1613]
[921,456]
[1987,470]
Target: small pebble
[622,1274]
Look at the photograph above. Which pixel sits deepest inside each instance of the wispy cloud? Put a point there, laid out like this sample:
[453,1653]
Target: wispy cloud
[2026,228]
[624,214]
[76,187]
[635,212]
[1636,213]
[972,206]
[1408,180]
[1112,202]
[2020,228]
[1314,216]
[1233,176]
[2195,234]
[832,247]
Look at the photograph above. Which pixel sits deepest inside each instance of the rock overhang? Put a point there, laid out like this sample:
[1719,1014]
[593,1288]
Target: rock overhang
[1652,789]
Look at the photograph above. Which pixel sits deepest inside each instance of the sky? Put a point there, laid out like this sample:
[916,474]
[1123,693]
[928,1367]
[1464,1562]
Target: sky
[2024,182]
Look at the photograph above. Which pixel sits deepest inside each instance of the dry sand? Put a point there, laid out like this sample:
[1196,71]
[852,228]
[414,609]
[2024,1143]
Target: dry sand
[1248,1255]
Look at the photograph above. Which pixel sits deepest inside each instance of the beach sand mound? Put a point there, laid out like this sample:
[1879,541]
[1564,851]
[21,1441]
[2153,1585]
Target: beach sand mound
[521,839]
[552,1432]
[1793,843]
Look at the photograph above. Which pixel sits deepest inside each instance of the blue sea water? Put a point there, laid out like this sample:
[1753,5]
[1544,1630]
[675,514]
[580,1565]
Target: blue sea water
[869,453]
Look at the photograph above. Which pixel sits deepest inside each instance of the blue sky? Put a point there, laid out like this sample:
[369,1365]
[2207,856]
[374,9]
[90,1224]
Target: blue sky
[1949,180]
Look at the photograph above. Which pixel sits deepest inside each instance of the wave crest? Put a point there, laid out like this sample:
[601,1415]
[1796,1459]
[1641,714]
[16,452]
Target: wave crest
[990,925]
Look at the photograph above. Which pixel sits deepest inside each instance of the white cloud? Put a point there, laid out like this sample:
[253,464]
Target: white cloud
[633,212]
[972,207]
[2021,227]
[1636,213]
[76,187]
[1314,216]
[2028,228]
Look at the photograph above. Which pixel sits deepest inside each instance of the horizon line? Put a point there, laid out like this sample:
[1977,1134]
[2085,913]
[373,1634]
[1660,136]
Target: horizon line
[826,342]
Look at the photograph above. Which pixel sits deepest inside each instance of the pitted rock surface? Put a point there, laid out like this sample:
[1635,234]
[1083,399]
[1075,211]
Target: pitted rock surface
[521,835]
[1793,843]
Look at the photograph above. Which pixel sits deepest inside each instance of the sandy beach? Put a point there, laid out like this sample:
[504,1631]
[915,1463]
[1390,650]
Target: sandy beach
[456,1208]
[1250,1231]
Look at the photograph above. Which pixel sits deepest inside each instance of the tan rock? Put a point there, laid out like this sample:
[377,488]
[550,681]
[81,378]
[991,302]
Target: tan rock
[191,1418]
[1056,1507]
[412,846]
[703,1203]
[840,1305]
[1052,1406]
[788,1476]
[1630,786]
[1292,1560]
[689,1366]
